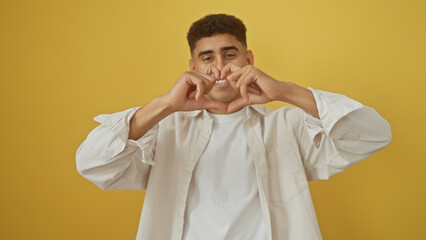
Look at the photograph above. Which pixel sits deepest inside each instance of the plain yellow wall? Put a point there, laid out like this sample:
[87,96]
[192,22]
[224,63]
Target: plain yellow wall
[63,62]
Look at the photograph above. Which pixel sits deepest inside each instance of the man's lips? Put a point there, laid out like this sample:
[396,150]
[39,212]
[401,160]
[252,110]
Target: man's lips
[222,83]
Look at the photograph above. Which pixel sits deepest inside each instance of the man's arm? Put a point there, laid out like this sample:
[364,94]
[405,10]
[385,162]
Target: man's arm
[146,117]
[269,88]
[119,153]
[338,131]
[299,97]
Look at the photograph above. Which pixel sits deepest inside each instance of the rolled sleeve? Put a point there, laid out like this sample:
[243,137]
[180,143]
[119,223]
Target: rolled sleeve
[147,143]
[346,132]
[119,123]
[331,108]
[110,159]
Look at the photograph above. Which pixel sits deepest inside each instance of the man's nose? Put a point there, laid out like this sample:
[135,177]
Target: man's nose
[220,63]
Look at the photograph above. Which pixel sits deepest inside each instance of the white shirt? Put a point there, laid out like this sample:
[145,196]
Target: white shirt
[289,147]
[223,198]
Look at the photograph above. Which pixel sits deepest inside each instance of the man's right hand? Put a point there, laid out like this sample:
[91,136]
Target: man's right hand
[189,92]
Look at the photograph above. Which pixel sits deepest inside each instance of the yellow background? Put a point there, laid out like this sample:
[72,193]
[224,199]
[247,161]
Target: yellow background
[63,62]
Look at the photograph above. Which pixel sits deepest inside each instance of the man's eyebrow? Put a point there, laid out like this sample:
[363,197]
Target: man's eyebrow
[204,52]
[229,48]
[201,53]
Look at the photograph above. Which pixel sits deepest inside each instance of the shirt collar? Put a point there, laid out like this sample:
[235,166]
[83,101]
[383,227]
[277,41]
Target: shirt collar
[260,108]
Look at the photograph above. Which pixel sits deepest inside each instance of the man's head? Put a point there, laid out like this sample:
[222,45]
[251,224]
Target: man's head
[215,41]
[214,24]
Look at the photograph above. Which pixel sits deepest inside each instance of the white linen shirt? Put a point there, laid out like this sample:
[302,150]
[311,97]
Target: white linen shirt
[289,148]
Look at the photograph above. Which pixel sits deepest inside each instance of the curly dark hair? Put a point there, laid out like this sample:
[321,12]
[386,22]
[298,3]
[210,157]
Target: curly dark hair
[213,24]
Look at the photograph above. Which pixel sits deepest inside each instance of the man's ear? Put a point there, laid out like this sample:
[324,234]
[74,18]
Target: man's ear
[250,57]
[191,65]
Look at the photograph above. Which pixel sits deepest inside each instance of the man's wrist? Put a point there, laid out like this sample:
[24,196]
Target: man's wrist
[299,96]
[287,90]
[166,107]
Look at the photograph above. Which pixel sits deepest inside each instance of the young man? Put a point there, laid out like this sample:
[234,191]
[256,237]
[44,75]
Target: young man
[217,166]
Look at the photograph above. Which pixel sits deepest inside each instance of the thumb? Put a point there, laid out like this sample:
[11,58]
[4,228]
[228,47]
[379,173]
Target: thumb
[237,105]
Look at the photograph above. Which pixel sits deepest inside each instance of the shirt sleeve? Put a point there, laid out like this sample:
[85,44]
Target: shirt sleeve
[111,160]
[346,133]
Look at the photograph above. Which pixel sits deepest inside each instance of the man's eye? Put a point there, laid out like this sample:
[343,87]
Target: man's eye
[207,59]
[230,55]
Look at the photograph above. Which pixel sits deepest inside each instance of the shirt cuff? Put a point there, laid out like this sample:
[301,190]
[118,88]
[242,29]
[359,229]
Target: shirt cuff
[147,143]
[119,123]
[331,108]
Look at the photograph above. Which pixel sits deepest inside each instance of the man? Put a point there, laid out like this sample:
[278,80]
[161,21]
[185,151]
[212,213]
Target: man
[217,166]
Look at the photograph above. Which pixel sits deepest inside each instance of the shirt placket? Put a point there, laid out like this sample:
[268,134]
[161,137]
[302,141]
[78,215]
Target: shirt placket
[252,131]
[203,133]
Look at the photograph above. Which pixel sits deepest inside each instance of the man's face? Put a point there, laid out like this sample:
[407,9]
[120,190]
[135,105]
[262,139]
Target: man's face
[219,50]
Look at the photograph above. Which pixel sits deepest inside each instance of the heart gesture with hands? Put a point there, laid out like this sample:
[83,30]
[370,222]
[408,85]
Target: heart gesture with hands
[189,92]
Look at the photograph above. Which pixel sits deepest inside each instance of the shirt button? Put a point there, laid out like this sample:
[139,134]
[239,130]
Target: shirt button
[193,157]
[178,230]
[182,194]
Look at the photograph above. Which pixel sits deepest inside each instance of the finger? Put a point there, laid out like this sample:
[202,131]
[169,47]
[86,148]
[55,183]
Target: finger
[244,78]
[200,90]
[243,92]
[208,84]
[204,103]
[214,104]
[236,105]
[242,84]
[205,76]
[208,70]
[197,85]
[227,69]
[215,71]
[253,90]
[208,80]
[234,77]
